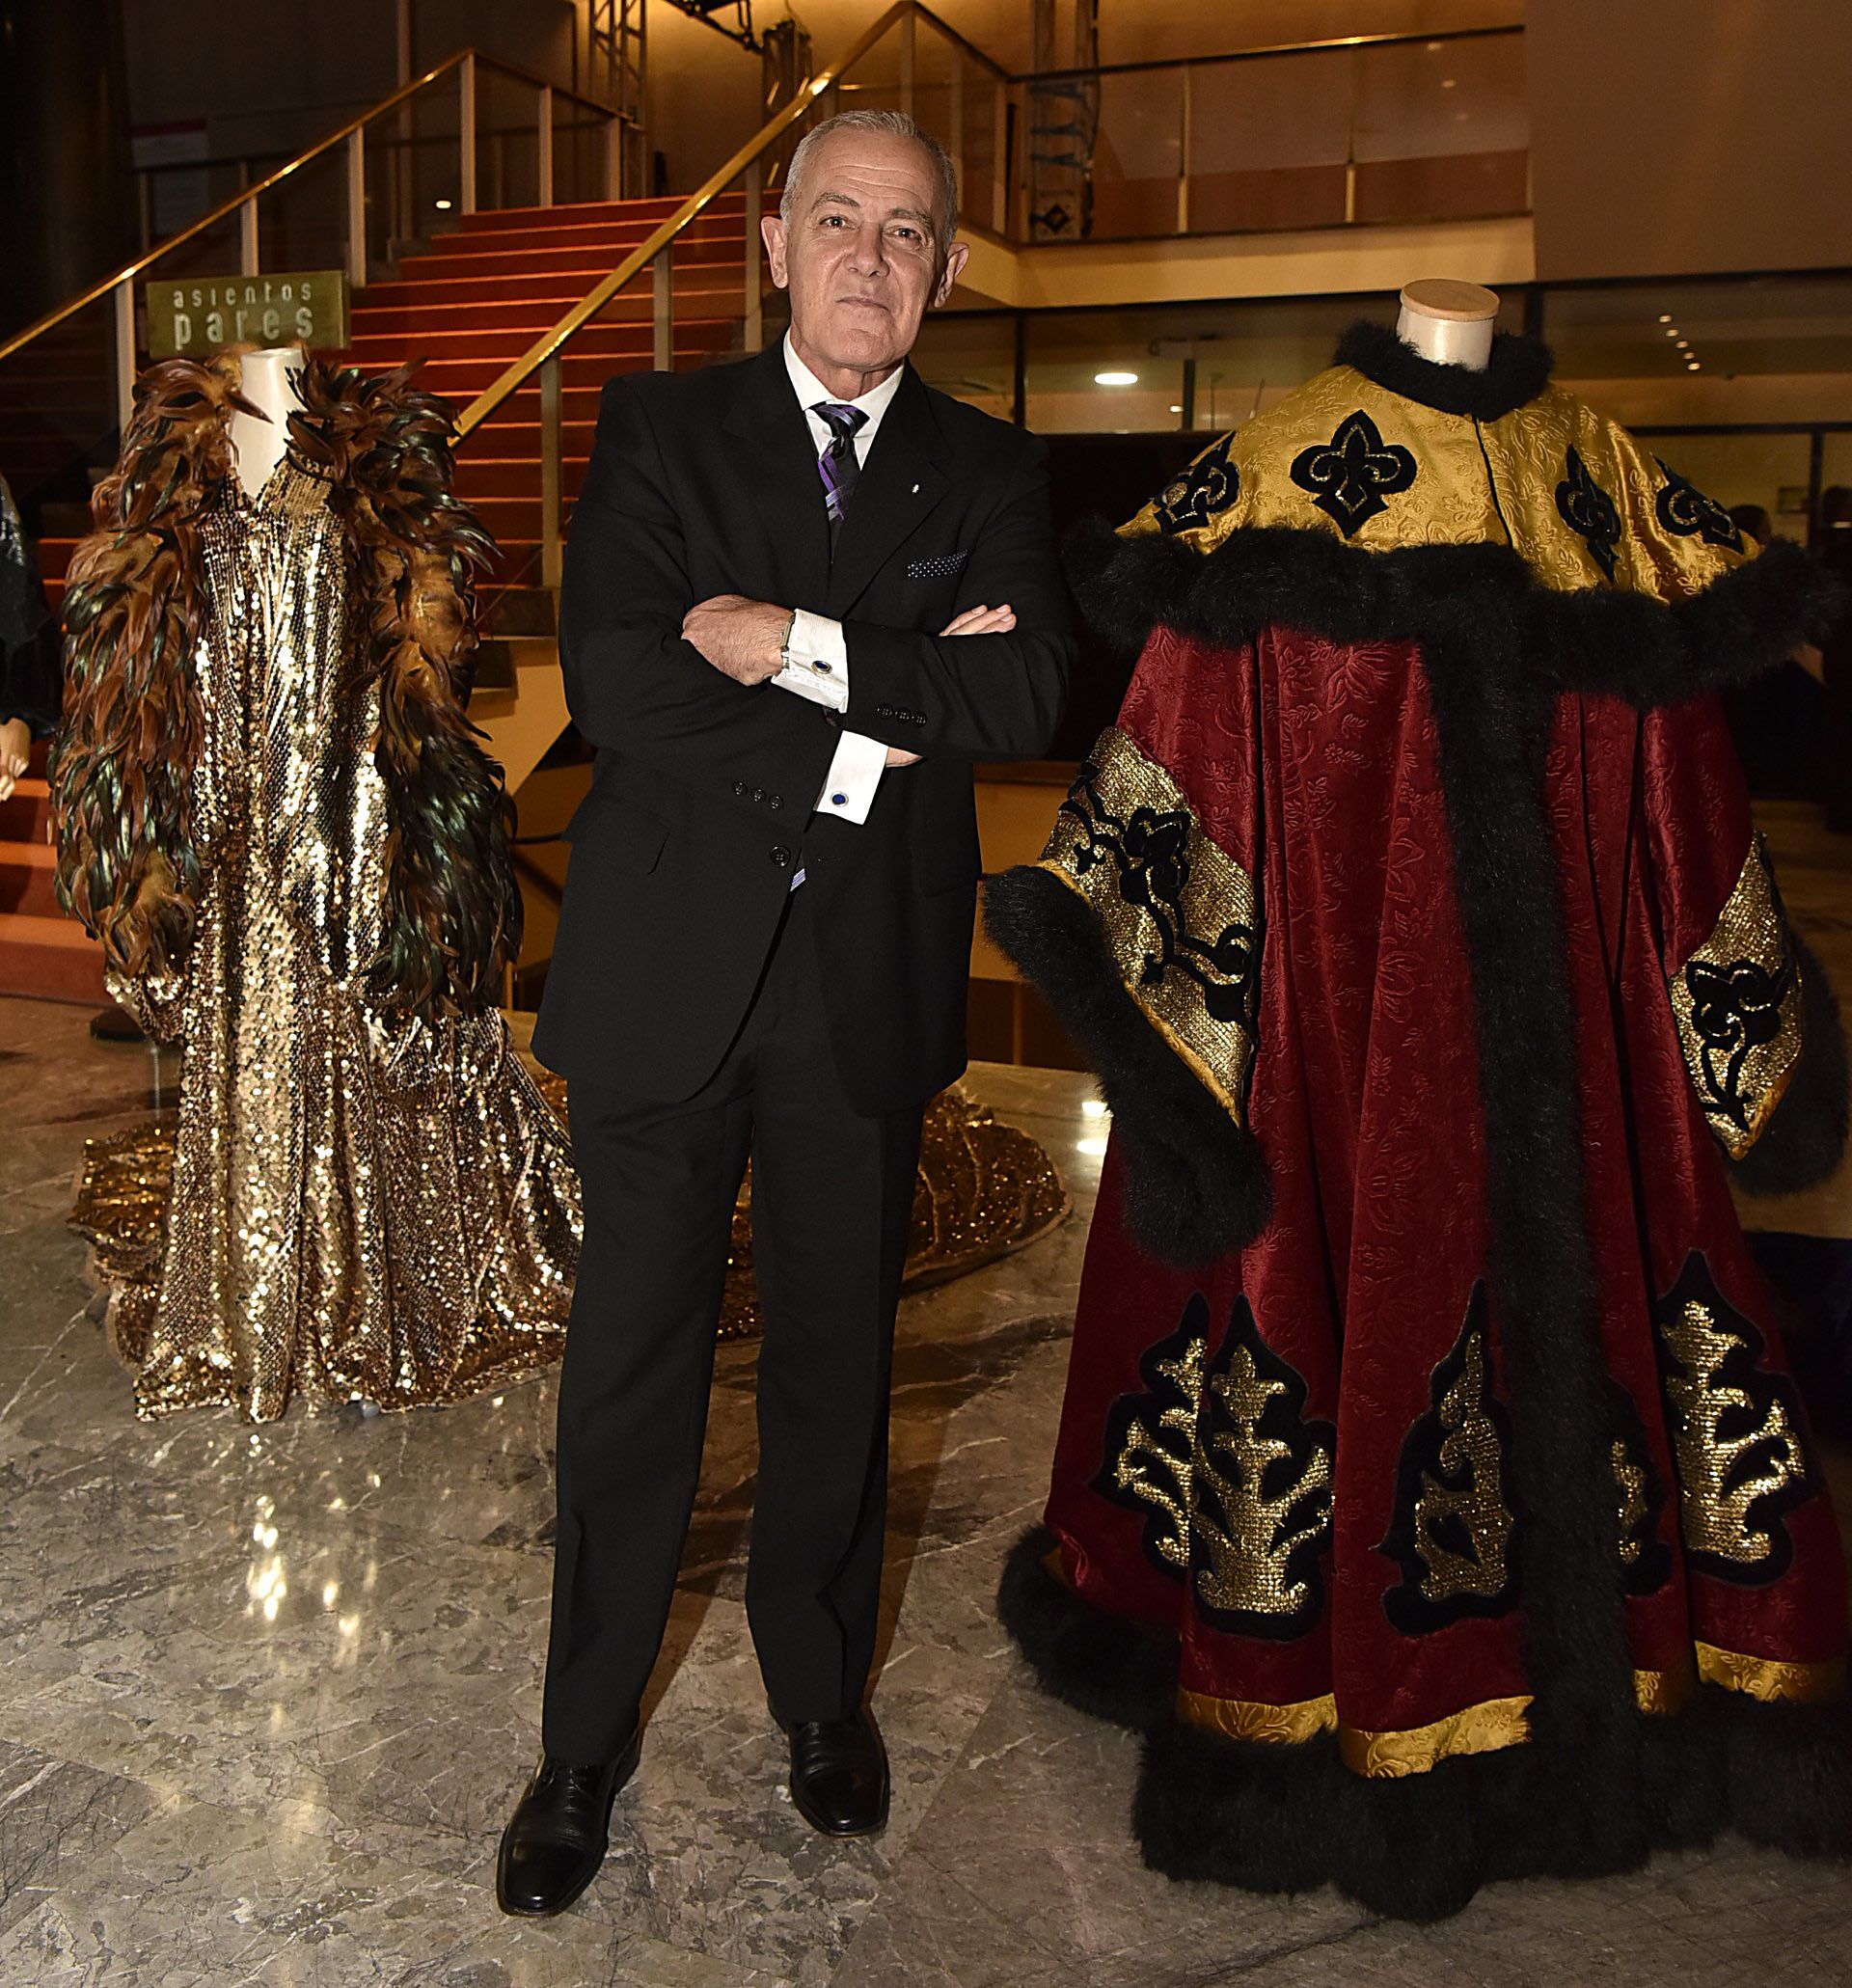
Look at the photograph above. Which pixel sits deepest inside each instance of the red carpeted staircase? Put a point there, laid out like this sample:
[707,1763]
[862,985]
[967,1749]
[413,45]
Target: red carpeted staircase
[41,951]
[470,305]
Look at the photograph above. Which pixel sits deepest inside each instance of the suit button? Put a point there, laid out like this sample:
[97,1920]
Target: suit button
[739,790]
[919,717]
[758,793]
[775,801]
[780,855]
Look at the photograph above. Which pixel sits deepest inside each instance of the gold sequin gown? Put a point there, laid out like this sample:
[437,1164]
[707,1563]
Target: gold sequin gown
[362,1208]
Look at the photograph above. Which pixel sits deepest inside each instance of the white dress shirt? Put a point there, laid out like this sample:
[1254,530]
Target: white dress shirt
[819,665]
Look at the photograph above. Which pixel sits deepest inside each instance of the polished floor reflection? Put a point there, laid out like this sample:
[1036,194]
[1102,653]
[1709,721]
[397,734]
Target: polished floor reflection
[269,1693]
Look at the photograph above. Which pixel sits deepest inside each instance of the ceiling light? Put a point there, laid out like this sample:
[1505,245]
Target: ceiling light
[1446,82]
[1691,366]
[442,206]
[1115,379]
[1664,318]
[1672,330]
[1176,409]
[1684,345]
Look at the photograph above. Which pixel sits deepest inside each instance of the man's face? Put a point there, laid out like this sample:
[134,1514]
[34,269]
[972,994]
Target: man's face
[859,256]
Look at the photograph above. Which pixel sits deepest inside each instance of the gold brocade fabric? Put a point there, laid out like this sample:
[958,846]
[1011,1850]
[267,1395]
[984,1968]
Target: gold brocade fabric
[1179,915]
[360,1208]
[1738,1003]
[1571,491]
[984,1189]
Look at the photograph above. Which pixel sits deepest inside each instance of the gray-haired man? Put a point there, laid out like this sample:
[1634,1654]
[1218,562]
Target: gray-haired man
[802,596]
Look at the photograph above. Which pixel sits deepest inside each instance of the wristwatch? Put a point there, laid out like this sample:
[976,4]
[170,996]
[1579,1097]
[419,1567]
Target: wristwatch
[784,641]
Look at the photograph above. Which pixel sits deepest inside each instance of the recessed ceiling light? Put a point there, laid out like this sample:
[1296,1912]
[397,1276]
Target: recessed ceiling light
[1684,345]
[1664,318]
[1672,330]
[1115,379]
[1446,82]
[1691,366]
[1176,409]
[443,207]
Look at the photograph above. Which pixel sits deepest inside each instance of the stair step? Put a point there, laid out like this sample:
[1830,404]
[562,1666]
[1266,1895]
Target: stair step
[592,263]
[26,873]
[653,210]
[52,958]
[25,815]
[461,317]
[599,340]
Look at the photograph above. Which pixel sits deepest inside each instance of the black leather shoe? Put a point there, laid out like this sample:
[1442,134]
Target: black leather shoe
[839,1773]
[556,1838]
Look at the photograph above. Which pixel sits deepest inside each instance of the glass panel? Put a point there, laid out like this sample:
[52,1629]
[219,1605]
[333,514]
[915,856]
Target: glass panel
[1442,131]
[1268,141]
[1756,349]
[1135,125]
[1245,356]
[971,358]
[1767,471]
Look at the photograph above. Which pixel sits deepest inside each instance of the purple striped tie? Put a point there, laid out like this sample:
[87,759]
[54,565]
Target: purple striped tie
[837,465]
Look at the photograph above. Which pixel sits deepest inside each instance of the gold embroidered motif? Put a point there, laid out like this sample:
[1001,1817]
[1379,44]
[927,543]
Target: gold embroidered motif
[1470,1450]
[1631,1480]
[1740,1462]
[1738,1003]
[1474,482]
[1254,1550]
[1158,1472]
[1452,1525]
[1666,1691]
[1180,915]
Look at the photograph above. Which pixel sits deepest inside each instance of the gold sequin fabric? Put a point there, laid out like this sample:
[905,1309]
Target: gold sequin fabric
[984,1189]
[1571,491]
[1179,915]
[1737,1000]
[360,1207]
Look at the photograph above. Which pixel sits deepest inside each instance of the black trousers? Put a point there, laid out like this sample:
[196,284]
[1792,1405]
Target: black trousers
[832,1204]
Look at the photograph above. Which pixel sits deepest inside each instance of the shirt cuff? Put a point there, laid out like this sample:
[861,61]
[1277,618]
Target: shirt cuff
[854,772]
[819,665]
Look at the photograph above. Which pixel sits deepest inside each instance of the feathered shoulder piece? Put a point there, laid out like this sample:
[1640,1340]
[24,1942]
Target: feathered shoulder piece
[137,605]
[121,763]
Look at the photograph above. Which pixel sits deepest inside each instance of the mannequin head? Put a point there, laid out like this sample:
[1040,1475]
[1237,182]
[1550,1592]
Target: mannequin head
[267,379]
[1448,321]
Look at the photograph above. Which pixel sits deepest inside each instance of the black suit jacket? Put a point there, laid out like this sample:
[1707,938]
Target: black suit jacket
[700,810]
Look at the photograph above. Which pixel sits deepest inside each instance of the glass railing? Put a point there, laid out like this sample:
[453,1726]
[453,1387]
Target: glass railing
[1374,128]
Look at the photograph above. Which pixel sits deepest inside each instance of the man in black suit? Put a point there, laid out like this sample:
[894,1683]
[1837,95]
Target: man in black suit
[803,594]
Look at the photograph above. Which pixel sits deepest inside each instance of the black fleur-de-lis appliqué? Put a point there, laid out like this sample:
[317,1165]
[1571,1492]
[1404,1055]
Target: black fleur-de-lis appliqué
[1350,475]
[1210,484]
[1589,511]
[1686,512]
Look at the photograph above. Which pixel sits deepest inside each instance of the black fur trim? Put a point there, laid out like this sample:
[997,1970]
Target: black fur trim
[1196,1182]
[1100,1664]
[1517,371]
[1268,1817]
[1594,641]
[1804,1140]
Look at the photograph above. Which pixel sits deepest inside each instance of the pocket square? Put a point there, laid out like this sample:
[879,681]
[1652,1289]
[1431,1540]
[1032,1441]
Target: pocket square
[940,568]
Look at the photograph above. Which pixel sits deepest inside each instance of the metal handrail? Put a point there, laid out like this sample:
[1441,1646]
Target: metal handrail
[244,201]
[1334,44]
[547,347]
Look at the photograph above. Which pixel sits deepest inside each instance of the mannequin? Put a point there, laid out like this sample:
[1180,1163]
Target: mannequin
[271,380]
[1448,322]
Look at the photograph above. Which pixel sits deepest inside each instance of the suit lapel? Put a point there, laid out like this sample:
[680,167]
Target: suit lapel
[899,485]
[776,464]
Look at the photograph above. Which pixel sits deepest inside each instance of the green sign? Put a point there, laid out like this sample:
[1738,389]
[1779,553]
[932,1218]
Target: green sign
[204,313]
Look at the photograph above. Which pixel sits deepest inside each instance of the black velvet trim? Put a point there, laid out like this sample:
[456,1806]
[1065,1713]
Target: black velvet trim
[1271,1817]
[1516,372]
[1479,598]
[1107,1666]
[1805,1137]
[1196,1182]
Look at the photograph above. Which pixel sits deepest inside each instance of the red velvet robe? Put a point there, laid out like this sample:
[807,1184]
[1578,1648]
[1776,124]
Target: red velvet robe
[1475,1459]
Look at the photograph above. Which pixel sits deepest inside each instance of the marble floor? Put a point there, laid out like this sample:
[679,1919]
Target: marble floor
[269,1693]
